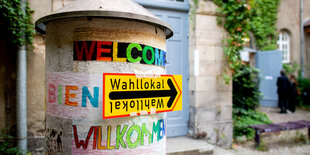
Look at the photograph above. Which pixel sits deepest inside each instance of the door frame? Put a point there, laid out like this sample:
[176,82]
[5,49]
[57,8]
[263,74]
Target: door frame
[164,4]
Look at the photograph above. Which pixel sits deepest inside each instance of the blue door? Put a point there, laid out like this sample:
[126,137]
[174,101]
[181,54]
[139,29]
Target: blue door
[269,64]
[177,57]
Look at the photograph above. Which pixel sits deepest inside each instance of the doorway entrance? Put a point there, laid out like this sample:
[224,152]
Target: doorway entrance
[175,13]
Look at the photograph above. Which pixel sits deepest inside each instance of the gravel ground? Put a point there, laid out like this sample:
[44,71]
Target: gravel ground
[293,142]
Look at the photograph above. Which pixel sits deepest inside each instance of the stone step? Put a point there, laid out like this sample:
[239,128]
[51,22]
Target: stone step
[188,146]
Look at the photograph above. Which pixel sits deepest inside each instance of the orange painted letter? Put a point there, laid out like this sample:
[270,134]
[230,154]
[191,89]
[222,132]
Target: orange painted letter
[69,95]
[99,147]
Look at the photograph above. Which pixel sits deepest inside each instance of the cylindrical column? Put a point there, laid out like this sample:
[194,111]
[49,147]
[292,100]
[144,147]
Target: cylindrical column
[78,53]
[103,90]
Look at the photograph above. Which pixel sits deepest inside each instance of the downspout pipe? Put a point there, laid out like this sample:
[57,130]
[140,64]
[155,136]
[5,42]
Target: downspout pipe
[21,94]
[301,38]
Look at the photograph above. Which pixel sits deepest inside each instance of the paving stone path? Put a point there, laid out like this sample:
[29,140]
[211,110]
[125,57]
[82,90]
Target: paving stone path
[282,143]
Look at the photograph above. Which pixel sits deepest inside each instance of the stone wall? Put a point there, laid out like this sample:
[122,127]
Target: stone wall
[36,94]
[36,82]
[210,98]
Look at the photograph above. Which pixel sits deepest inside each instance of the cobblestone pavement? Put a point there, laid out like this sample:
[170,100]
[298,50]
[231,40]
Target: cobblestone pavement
[282,143]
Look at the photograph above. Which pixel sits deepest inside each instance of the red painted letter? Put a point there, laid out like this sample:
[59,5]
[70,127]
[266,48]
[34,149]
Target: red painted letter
[80,143]
[95,138]
[80,53]
[51,93]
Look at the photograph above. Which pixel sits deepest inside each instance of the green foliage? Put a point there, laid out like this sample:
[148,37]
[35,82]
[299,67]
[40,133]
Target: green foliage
[262,147]
[263,23]
[195,2]
[243,118]
[236,23]
[301,138]
[5,146]
[241,17]
[291,68]
[304,88]
[304,83]
[18,24]
[246,94]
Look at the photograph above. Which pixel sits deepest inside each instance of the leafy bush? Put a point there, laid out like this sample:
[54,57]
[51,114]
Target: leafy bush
[5,146]
[291,68]
[263,23]
[304,96]
[18,23]
[246,96]
[304,84]
[239,18]
[243,118]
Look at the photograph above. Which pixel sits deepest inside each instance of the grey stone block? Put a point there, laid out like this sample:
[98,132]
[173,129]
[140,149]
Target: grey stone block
[225,134]
[224,113]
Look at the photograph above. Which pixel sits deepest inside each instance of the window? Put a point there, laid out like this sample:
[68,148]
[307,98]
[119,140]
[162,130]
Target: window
[283,44]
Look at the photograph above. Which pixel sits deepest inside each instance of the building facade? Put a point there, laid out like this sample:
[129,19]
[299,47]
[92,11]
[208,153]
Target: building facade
[198,56]
[288,27]
[196,53]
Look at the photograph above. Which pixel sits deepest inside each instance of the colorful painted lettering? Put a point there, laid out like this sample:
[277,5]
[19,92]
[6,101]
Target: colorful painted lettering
[118,52]
[124,136]
[73,95]
[69,94]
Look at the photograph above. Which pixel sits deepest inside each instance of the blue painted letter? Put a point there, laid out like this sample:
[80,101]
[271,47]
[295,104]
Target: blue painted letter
[93,100]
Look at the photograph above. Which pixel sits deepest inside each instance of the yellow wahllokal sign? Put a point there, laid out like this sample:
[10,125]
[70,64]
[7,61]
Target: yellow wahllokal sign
[128,95]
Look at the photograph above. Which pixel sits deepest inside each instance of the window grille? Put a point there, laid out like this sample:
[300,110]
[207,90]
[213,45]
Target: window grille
[283,44]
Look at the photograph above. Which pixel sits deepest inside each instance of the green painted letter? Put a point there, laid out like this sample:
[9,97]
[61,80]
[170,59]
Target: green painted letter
[128,52]
[130,133]
[120,135]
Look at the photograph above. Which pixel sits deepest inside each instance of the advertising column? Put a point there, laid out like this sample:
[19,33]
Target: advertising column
[106,88]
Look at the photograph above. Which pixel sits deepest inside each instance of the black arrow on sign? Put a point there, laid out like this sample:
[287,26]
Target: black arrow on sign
[121,95]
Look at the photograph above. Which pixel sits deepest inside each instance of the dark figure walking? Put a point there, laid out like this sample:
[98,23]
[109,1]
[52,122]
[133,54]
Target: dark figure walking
[293,94]
[283,91]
